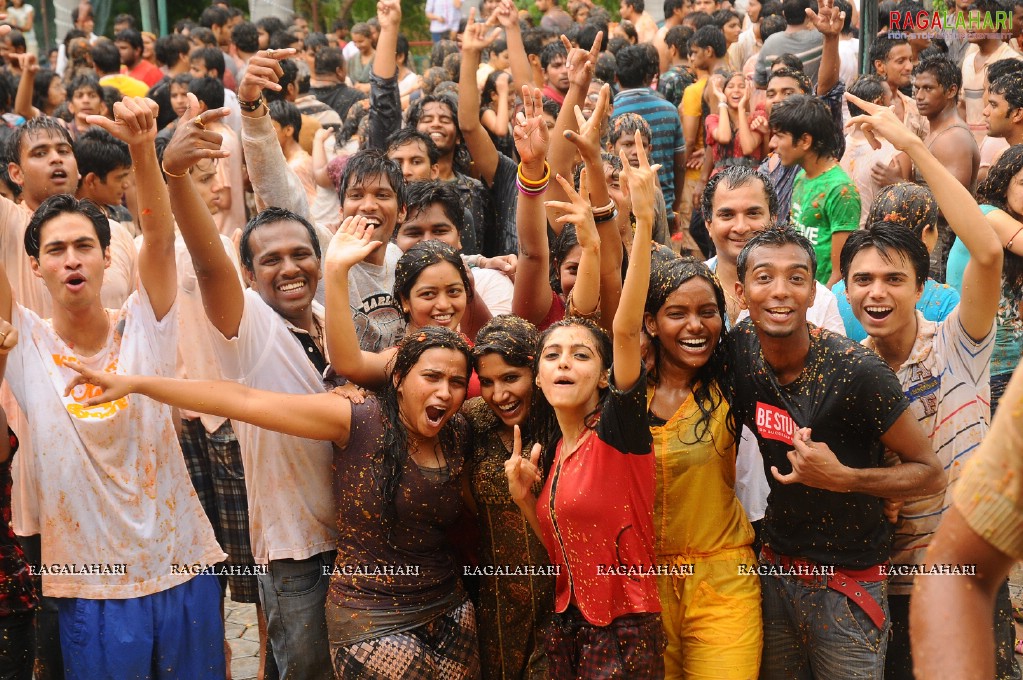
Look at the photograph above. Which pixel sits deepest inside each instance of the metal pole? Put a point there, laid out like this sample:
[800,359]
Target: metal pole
[868,31]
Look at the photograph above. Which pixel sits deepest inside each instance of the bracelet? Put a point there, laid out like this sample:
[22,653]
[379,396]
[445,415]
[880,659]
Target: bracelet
[531,191]
[171,174]
[251,106]
[533,183]
[605,210]
[609,217]
[1009,244]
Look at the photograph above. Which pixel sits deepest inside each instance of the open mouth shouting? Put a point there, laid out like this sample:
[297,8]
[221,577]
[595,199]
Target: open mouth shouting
[435,415]
[59,176]
[75,282]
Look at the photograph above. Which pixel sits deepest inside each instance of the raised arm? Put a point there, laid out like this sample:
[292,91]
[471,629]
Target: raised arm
[982,279]
[577,211]
[748,139]
[518,61]
[325,417]
[829,21]
[351,244]
[477,37]
[384,98]
[134,124]
[533,294]
[26,87]
[642,185]
[221,290]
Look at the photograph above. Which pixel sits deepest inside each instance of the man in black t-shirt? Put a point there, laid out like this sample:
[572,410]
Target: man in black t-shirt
[823,409]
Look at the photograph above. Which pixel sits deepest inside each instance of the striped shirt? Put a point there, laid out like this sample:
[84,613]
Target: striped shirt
[665,129]
[947,382]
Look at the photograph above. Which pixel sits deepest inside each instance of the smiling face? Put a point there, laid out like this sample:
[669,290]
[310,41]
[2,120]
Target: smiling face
[71,261]
[897,68]
[778,289]
[883,294]
[688,325]
[376,200]
[432,391]
[737,213]
[431,223]
[507,389]
[438,121]
[571,369]
[47,166]
[437,297]
[734,89]
[285,269]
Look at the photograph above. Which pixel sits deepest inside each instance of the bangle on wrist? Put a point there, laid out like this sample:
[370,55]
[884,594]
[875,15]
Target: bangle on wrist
[608,217]
[605,210]
[169,173]
[252,106]
[535,183]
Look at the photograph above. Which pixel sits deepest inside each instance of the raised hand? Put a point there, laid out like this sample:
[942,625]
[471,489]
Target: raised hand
[640,183]
[531,134]
[587,140]
[134,121]
[389,14]
[476,37]
[506,15]
[881,121]
[577,211]
[192,142]
[352,243]
[111,385]
[263,73]
[522,472]
[581,62]
[827,19]
[28,63]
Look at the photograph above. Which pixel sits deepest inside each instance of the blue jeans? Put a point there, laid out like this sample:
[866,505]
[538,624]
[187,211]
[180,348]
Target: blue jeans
[294,596]
[175,633]
[814,633]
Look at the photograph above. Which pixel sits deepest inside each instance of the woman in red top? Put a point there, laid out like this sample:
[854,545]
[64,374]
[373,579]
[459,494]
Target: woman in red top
[595,511]
[729,135]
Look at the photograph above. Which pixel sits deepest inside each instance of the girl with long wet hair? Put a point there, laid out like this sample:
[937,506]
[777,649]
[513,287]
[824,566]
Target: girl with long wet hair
[710,611]
[1001,199]
[514,609]
[396,607]
[594,512]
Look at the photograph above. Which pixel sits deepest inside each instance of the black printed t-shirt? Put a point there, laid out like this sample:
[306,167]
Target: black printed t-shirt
[849,397]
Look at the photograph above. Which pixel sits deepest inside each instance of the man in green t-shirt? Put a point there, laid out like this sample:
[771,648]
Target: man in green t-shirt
[825,201]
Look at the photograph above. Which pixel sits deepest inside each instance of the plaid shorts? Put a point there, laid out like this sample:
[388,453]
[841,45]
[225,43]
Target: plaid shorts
[197,458]
[443,648]
[233,509]
[632,647]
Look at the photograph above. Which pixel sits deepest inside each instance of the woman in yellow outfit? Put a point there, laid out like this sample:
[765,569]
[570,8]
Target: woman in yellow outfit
[711,598]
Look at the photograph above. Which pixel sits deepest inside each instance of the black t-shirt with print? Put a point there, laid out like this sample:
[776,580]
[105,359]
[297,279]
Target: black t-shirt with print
[849,397]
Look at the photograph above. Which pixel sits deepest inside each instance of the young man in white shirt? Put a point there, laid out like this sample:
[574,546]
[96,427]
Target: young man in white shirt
[122,519]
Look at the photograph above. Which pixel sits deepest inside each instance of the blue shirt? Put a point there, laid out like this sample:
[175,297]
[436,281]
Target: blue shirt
[665,129]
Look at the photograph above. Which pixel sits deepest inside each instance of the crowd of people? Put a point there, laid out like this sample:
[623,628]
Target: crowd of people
[598,349]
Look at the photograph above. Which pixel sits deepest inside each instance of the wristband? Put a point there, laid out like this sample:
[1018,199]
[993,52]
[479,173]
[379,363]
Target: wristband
[252,106]
[601,219]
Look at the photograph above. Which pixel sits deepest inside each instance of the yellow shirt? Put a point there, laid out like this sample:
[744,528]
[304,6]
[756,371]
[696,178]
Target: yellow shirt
[126,85]
[696,512]
[692,105]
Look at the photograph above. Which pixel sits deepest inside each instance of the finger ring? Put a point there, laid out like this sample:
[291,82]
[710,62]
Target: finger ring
[198,122]
[270,53]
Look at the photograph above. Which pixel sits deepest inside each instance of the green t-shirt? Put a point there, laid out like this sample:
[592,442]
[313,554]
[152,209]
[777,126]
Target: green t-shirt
[821,206]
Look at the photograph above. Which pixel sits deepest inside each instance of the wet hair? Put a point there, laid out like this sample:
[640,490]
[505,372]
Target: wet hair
[794,11]
[284,113]
[712,37]
[606,67]
[410,135]
[733,177]
[369,164]
[911,205]
[561,246]
[281,40]
[1004,67]
[40,124]
[105,57]
[401,47]
[551,107]
[289,75]
[99,152]
[422,194]
[665,280]
[882,47]
[698,20]
[803,114]
[550,52]
[316,41]
[588,33]
[204,36]
[1010,86]
[776,237]
[887,238]
[389,460]
[785,72]
[41,87]
[272,215]
[245,36]
[453,65]
[788,60]
[208,90]
[723,16]
[212,59]
[678,37]
[629,29]
[441,50]
[632,66]
[270,25]
[770,24]
[510,337]
[489,91]
[61,204]
[170,49]
[868,88]
[328,60]
[419,257]
[543,422]
[627,124]
[994,191]
[944,71]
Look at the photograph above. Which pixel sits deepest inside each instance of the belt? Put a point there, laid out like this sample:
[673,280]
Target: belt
[844,581]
